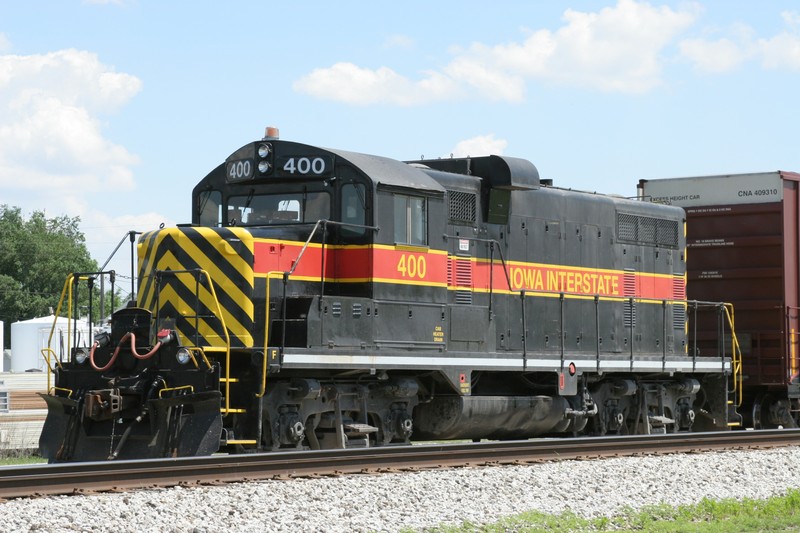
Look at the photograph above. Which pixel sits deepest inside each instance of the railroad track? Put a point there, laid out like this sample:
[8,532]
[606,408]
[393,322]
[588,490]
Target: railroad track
[82,478]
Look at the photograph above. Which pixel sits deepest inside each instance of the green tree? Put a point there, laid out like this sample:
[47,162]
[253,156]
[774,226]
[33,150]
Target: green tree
[36,256]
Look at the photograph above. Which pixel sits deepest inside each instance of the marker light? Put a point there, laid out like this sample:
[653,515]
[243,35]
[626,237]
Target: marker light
[271,132]
[183,355]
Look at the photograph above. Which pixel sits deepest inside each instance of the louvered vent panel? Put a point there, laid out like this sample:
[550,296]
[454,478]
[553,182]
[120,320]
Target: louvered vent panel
[463,280]
[629,290]
[450,267]
[678,308]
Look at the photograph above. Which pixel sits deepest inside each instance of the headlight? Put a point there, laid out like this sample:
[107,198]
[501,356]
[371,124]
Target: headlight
[264,166]
[81,355]
[264,150]
[183,355]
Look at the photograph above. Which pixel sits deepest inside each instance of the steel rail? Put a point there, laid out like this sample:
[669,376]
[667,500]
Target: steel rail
[91,477]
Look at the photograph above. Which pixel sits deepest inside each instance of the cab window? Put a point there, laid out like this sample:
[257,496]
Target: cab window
[410,220]
[353,198]
[283,208]
[209,208]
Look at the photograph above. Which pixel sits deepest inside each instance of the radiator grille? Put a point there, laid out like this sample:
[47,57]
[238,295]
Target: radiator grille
[647,230]
[462,206]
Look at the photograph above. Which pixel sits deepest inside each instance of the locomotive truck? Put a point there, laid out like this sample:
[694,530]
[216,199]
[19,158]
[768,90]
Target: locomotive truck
[322,298]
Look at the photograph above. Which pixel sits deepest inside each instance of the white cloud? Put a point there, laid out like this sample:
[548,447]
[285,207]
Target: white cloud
[349,83]
[52,149]
[791,19]
[722,55]
[480,145]
[73,76]
[781,51]
[616,49]
[490,81]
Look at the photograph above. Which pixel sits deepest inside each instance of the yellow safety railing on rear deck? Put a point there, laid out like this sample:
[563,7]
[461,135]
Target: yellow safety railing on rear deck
[48,352]
[736,356]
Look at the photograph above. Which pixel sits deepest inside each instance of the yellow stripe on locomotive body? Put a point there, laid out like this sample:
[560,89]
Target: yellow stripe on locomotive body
[183,297]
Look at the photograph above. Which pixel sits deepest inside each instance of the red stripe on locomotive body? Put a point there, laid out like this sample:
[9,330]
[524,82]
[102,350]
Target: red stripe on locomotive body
[534,277]
[352,263]
[572,280]
[655,287]
[405,265]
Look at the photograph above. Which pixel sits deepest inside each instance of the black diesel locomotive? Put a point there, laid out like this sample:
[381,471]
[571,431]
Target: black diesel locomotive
[329,299]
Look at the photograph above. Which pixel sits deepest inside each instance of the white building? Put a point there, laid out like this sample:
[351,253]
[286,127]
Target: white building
[30,337]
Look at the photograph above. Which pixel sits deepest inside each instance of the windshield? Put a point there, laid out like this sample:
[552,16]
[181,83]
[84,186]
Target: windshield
[283,208]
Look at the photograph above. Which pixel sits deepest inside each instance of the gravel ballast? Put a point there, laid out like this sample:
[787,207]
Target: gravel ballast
[418,500]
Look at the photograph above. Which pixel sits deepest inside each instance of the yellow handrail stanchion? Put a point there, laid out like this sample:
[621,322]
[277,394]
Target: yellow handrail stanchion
[260,394]
[67,290]
[736,355]
[227,341]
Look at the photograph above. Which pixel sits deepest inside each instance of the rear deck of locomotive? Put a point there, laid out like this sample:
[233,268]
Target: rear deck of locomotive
[325,299]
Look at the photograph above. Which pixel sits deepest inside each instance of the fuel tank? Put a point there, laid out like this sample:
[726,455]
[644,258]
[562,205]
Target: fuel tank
[492,417]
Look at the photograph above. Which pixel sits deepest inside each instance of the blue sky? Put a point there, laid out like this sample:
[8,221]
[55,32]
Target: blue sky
[113,110]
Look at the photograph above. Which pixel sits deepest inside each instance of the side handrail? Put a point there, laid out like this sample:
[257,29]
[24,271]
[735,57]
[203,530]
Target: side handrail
[270,275]
[492,245]
[47,352]
[323,222]
[725,310]
[67,293]
[285,275]
[736,356]
[199,274]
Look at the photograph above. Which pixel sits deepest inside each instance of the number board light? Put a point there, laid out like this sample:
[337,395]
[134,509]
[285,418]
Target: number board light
[304,165]
[239,170]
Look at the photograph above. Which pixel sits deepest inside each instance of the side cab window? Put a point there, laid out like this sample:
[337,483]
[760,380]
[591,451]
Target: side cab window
[353,208]
[410,220]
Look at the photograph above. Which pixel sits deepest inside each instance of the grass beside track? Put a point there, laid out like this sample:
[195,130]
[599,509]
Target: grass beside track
[13,458]
[780,513]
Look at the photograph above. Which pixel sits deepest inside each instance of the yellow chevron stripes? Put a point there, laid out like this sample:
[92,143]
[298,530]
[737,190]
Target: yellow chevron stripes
[226,254]
[216,273]
[209,336]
